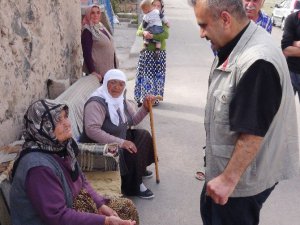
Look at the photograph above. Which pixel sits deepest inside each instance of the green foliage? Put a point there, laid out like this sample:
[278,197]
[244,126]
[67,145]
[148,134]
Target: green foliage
[125,6]
[115,5]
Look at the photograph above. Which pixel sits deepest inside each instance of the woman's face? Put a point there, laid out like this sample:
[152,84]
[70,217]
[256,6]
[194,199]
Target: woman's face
[157,4]
[63,129]
[115,88]
[95,15]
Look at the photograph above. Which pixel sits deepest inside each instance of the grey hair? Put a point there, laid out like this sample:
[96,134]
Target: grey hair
[234,7]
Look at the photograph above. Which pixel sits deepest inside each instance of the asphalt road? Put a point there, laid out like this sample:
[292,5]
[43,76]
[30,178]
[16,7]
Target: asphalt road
[180,132]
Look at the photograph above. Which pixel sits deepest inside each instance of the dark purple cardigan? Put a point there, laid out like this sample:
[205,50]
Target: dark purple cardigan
[47,197]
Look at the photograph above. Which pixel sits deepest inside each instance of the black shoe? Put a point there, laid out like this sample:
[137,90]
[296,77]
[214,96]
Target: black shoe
[146,194]
[139,104]
[148,174]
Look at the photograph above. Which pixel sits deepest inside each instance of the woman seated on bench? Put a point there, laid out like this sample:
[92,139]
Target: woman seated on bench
[107,119]
[48,186]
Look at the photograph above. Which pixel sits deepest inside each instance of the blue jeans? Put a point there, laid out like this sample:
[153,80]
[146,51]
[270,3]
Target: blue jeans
[237,211]
[295,78]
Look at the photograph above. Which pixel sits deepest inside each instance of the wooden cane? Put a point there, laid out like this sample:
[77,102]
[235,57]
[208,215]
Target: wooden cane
[153,138]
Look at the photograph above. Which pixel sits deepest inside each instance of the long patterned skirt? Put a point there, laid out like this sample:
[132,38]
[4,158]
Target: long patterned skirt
[150,77]
[124,207]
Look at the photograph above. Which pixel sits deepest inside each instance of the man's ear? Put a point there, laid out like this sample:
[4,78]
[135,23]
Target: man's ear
[226,19]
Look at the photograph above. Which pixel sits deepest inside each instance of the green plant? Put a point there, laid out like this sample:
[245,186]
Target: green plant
[115,5]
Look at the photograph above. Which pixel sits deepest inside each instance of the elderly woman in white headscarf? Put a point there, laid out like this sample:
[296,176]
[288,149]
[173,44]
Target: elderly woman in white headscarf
[97,43]
[108,117]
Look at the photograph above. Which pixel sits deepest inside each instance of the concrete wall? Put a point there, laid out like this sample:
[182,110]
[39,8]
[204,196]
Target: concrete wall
[38,40]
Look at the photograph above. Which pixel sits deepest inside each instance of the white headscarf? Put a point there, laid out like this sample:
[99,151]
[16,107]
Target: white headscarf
[113,103]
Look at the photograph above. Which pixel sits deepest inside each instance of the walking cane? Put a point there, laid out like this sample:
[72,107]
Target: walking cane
[153,138]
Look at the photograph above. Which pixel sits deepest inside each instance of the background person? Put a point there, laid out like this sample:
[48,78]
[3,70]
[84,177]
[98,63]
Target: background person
[254,12]
[290,45]
[48,186]
[151,68]
[98,48]
[108,117]
[152,22]
[251,133]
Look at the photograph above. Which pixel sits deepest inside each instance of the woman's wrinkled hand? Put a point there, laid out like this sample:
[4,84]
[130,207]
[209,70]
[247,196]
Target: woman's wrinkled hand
[149,99]
[147,35]
[113,220]
[105,210]
[129,146]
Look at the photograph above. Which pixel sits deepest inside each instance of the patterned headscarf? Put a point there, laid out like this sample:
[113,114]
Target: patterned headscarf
[88,24]
[40,121]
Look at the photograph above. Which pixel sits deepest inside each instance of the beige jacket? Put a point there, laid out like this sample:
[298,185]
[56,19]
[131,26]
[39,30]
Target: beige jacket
[278,156]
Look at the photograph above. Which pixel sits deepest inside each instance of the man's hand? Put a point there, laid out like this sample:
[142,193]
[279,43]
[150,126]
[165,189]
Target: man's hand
[219,189]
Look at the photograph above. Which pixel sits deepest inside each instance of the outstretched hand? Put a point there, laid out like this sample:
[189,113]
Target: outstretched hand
[107,211]
[113,220]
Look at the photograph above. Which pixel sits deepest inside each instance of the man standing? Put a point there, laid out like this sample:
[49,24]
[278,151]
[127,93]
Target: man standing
[253,11]
[250,116]
[290,45]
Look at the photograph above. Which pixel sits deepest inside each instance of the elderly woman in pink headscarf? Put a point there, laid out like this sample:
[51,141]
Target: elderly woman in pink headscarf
[97,44]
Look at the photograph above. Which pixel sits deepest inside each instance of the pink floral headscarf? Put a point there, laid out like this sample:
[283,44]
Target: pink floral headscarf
[87,18]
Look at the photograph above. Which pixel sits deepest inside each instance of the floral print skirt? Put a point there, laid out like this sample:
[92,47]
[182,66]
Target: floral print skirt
[151,72]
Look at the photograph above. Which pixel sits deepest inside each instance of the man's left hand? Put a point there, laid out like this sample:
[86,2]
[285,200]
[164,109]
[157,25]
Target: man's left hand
[219,189]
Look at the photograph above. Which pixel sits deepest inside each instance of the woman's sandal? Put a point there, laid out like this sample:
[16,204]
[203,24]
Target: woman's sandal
[156,102]
[200,175]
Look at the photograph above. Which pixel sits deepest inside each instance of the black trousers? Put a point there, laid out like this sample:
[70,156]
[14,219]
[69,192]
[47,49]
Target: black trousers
[136,163]
[237,211]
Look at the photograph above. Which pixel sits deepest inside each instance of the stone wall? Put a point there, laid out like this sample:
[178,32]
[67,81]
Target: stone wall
[38,40]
